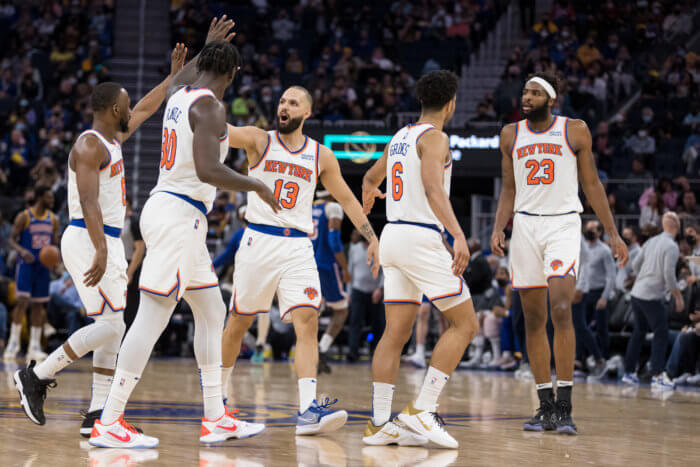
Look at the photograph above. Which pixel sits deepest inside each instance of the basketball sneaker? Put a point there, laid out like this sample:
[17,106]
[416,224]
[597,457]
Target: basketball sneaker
[89,419]
[226,427]
[564,423]
[631,379]
[35,353]
[415,359]
[11,352]
[323,366]
[662,382]
[319,419]
[392,432]
[32,392]
[428,424]
[544,419]
[120,434]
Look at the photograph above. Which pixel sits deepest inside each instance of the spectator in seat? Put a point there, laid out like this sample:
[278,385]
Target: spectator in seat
[689,207]
[653,210]
[641,144]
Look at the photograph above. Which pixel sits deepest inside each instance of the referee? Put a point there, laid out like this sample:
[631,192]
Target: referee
[655,269]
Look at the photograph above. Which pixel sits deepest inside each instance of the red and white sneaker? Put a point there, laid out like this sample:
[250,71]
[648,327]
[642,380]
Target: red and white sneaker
[226,427]
[120,434]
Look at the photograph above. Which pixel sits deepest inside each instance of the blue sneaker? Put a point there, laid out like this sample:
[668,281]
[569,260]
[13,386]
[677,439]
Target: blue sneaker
[662,382]
[630,378]
[257,357]
[319,419]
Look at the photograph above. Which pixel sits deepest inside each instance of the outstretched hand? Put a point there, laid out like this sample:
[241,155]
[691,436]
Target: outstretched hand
[219,30]
[368,197]
[177,58]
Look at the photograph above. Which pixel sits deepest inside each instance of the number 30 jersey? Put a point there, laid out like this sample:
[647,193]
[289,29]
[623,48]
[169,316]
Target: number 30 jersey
[545,170]
[292,176]
[405,198]
[177,170]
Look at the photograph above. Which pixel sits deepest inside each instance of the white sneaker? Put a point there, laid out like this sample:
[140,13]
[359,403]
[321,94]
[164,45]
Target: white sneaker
[695,379]
[11,352]
[416,360]
[631,379]
[35,353]
[120,435]
[226,427]
[48,330]
[682,379]
[662,382]
[392,432]
[428,424]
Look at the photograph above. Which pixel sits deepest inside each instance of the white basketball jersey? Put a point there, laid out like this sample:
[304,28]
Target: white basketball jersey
[406,199]
[112,196]
[545,170]
[292,177]
[177,171]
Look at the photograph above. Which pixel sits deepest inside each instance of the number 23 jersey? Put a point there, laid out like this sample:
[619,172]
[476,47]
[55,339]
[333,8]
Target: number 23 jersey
[545,170]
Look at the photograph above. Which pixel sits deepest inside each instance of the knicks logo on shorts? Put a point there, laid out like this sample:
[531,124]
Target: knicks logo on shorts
[311,293]
[556,264]
[250,240]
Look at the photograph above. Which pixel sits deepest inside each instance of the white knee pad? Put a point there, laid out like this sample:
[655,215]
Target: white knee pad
[105,356]
[104,331]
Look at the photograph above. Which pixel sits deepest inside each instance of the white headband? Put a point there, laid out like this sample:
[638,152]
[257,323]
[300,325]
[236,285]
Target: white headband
[547,87]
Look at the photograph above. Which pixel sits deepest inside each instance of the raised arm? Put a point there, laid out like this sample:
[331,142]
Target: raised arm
[86,158]
[333,181]
[581,141]
[21,222]
[218,31]
[208,121]
[432,149]
[371,181]
[506,200]
[150,103]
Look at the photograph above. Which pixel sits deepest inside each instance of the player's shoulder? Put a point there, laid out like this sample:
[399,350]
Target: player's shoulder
[509,129]
[508,134]
[574,125]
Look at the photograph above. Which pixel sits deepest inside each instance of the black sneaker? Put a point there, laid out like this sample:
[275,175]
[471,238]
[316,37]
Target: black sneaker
[565,424]
[89,419]
[544,419]
[32,392]
[323,366]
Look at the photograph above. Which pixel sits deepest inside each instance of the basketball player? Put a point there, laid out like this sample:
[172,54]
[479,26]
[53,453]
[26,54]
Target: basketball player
[92,250]
[276,255]
[418,165]
[332,269]
[33,229]
[174,227]
[544,158]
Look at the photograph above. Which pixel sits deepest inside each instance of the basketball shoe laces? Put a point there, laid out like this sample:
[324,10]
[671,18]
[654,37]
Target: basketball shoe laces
[439,421]
[326,403]
[128,426]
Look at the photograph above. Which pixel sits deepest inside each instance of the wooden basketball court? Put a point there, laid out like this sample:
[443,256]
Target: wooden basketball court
[484,411]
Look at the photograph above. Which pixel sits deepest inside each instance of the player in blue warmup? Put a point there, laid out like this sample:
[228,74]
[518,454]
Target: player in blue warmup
[33,229]
[332,269]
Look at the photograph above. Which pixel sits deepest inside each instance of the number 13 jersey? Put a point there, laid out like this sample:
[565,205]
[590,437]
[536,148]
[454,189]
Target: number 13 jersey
[292,175]
[545,170]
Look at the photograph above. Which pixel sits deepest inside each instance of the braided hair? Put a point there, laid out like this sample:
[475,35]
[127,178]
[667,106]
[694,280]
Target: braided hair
[219,57]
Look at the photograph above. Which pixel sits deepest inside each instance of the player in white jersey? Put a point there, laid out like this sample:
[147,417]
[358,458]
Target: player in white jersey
[417,164]
[174,227]
[276,255]
[92,251]
[544,157]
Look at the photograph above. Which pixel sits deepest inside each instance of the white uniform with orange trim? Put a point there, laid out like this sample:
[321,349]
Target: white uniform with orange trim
[276,255]
[546,239]
[174,219]
[411,249]
[108,298]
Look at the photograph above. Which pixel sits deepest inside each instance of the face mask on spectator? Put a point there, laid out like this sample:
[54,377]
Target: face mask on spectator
[627,241]
[646,118]
[502,282]
[691,240]
[589,235]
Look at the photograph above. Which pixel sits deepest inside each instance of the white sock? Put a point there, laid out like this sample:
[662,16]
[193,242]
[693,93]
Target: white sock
[430,391]
[420,350]
[307,393]
[325,343]
[226,376]
[15,331]
[122,386]
[543,386]
[35,337]
[55,362]
[382,395]
[210,376]
[100,390]
[563,384]
[495,347]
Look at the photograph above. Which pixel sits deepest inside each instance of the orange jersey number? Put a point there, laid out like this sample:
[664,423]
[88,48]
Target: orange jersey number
[290,199]
[396,182]
[123,191]
[547,168]
[167,156]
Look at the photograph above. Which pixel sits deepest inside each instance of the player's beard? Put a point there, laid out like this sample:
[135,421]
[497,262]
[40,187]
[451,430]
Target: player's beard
[537,114]
[289,127]
[124,125]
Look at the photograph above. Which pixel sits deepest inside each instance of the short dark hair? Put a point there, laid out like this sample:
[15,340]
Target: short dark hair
[219,57]
[40,190]
[551,78]
[105,95]
[435,89]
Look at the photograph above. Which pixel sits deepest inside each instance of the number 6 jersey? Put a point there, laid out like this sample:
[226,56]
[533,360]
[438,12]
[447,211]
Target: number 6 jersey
[405,198]
[291,174]
[545,170]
